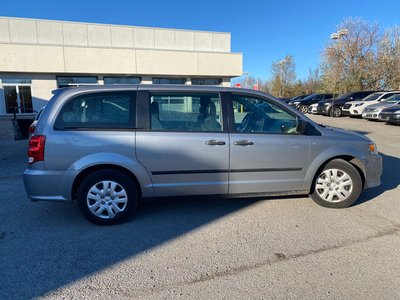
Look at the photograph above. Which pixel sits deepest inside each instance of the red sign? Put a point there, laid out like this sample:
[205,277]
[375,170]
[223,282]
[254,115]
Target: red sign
[238,85]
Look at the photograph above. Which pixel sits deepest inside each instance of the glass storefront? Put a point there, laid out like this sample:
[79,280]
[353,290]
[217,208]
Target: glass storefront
[206,81]
[18,98]
[121,80]
[69,81]
[166,80]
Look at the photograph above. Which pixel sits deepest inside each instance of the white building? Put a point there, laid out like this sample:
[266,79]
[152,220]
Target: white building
[38,56]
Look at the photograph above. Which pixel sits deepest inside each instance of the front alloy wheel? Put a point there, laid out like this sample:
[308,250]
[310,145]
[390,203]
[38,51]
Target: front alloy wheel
[303,108]
[334,185]
[336,112]
[338,185]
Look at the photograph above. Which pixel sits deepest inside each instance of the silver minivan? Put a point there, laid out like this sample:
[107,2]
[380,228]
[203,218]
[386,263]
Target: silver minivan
[107,147]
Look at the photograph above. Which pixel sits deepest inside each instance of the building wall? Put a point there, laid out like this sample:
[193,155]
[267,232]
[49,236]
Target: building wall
[28,45]
[47,32]
[40,50]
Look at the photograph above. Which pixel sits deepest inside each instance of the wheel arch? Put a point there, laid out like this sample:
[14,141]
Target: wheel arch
[85,172]
[354,161]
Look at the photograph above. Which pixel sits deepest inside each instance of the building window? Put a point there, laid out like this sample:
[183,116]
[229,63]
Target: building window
[206,81]
[68,81]
[17,95]
[159,80]
[16,81]
[121,80]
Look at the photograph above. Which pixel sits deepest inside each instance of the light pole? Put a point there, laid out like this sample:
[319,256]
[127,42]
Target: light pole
[246,80]
[282,63]
[337,36]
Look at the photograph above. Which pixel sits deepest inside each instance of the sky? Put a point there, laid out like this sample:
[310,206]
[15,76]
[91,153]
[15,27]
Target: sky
[264,31]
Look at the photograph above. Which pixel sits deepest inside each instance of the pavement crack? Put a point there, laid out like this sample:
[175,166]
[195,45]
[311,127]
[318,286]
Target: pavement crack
[279,257]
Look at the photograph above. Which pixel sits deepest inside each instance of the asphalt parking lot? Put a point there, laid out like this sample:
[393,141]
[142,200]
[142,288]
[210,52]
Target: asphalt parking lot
[205,248]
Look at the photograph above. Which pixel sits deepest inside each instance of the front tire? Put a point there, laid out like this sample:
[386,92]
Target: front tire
[338,185]
[336,112]
[107,197]
[303,108]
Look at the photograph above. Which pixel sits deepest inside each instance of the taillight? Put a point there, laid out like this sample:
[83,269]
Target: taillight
[36,148]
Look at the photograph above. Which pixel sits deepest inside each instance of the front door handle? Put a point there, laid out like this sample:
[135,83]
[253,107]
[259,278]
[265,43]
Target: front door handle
[215,143]
[243,143]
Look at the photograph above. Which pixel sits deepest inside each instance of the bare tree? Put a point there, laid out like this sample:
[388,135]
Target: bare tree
[246,81]
[388,63]
[283,76]
[313,83]
[349,61]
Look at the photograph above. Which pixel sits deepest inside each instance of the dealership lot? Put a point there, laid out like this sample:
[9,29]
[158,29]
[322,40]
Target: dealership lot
[205,248]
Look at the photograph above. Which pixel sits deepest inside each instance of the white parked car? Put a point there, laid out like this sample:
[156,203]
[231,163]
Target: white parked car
[356,108]
[373,111]
[312,109]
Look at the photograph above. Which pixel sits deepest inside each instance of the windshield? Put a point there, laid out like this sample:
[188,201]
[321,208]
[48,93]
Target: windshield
[372,97]
[392,99]
[344,96]
[309,97]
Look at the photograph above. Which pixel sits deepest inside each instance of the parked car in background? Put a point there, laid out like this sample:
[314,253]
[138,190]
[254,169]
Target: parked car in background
[286,100]
[371,112]
[107,147]
[356,108]
[333,107]
[390,115]
[312,109]
[395,117]
[299,97]
[303,104]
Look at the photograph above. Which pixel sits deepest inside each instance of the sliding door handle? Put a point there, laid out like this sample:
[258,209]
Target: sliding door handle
[215,143]
[243,143]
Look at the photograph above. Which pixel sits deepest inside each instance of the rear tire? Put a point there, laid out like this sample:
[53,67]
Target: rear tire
[107,197]
[338,185]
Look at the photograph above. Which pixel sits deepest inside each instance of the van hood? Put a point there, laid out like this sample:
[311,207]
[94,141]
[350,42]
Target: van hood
[340,132]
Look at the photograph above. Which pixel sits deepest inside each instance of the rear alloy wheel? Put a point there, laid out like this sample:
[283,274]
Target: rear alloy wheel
[338,185]
[336,112]
[107,197]
[303,108]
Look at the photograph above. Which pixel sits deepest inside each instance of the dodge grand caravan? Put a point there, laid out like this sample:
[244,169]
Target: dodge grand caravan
[107,147]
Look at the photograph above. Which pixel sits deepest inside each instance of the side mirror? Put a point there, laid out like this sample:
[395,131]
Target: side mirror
[301,125]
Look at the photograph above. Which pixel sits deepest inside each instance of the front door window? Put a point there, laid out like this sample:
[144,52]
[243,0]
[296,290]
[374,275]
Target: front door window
[253,115]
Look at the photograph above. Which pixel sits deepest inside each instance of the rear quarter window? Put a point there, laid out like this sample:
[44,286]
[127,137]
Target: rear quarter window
[105,110]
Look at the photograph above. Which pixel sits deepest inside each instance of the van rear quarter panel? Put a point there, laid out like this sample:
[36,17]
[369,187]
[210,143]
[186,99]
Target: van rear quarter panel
[73,151]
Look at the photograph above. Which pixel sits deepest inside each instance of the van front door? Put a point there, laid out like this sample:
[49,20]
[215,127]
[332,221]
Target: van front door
[266,152]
